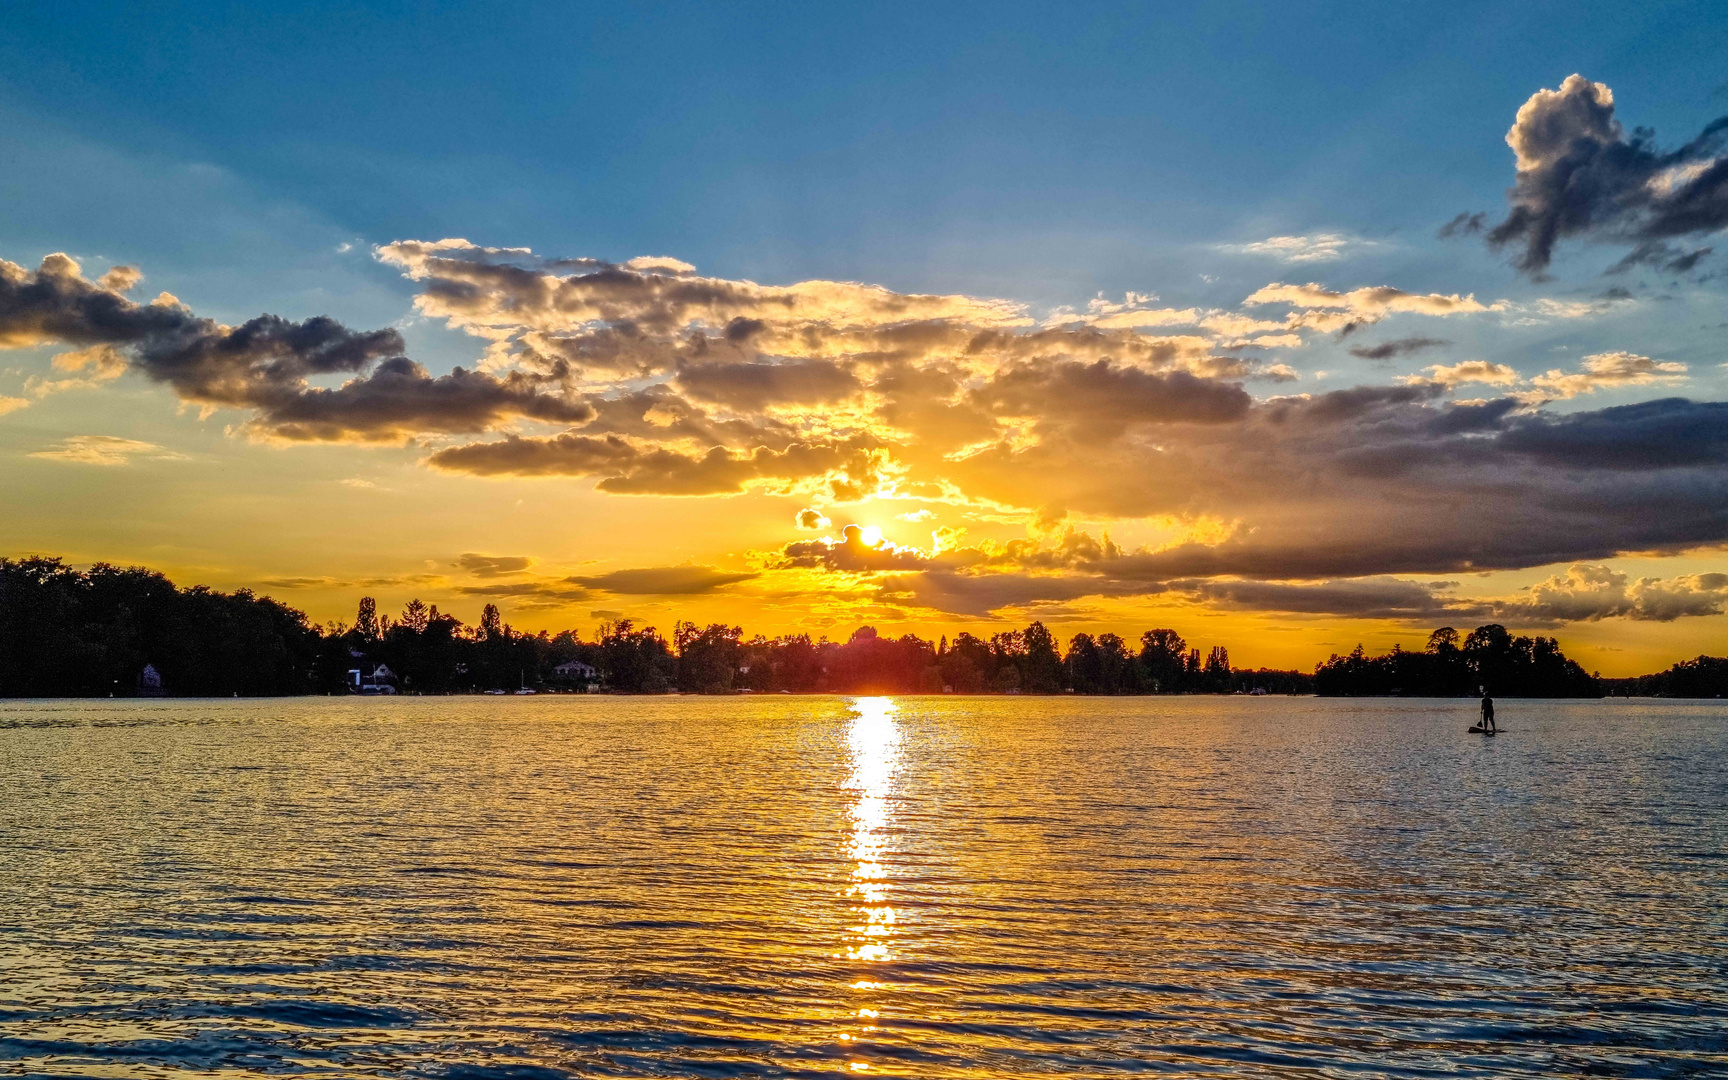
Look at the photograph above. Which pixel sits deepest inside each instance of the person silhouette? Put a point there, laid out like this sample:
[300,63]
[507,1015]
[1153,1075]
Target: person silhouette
[1488,715]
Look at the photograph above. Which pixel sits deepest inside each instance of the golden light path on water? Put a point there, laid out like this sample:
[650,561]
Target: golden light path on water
[873,738]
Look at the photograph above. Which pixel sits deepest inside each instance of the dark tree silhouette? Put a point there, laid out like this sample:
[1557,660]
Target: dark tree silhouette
[69,632]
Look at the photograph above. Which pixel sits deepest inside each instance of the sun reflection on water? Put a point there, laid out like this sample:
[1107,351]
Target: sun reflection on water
[873,738]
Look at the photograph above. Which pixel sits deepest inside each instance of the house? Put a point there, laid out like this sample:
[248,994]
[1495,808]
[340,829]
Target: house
[372,679]
[575,671]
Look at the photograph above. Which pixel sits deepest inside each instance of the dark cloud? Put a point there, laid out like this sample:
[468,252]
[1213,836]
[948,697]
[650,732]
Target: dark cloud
[984,595]
[756,386]
[1580,176]
[1583,592]
[493,565]
[1362,598]
[851,470]
[850,552]
[1386,350]
[1666,434]
[1390,480]
[1100,401]
[1661,255]
[1463,225]
[401,399]
[663,580]
[529,593]
[264,365]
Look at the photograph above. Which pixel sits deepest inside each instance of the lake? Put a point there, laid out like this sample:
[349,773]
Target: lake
[810,886]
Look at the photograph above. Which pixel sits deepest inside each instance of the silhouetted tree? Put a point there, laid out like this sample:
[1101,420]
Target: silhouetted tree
[366,626]
[1162,659]
[635,661]
[1703,677]
[707,659]
[1490,658]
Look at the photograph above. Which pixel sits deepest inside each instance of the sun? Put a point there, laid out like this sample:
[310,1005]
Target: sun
[872,536]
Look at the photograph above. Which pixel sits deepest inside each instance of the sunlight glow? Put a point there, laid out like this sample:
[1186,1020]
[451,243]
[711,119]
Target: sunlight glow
[872,536]
[873,738]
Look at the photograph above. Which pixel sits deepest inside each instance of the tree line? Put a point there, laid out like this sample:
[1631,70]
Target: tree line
[1488,659]
[1703,677]
[70,632]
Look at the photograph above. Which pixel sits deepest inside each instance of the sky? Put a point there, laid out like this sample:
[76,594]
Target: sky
[1289,326]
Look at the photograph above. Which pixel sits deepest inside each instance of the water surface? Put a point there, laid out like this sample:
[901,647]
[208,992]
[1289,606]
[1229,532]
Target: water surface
[931,887]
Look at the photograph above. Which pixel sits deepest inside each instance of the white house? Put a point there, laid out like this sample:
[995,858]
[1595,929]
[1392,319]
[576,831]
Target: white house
[576,671]
[370,679]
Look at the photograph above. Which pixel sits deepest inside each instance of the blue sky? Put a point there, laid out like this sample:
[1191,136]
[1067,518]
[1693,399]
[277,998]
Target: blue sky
[1170,165]
[1040,151]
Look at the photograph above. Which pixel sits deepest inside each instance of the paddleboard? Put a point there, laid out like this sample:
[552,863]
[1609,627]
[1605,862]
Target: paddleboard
[1480,730]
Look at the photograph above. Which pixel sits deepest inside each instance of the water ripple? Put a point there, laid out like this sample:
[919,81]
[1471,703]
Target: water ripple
[802,887]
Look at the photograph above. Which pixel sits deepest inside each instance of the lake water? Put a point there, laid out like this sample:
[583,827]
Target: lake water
[930,887]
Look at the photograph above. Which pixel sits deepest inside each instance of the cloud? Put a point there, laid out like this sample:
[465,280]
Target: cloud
[664,580]
[1606,370]
[1370,302]
[812,519]
[664,263]
[1387,350]
[1587,592]
[1663,256]
[107,450]
[1101,400]
[265,365]
[12,404]
[1463,225]
[753,387]
[1321,247]
[121,278]
[398,581]
[851,552]
[1469,371]
[1579,176]
[1322,309]
[487,566]
[846,472]
[1389,480]
[1361,598]
[650,379]
[1583,592]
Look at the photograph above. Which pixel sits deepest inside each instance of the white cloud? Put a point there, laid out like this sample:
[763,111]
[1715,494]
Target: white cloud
[661,262]
[1372,301]
[1592,591]
[1470,371]
[105,450]
[1321,247]
[1606,370]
